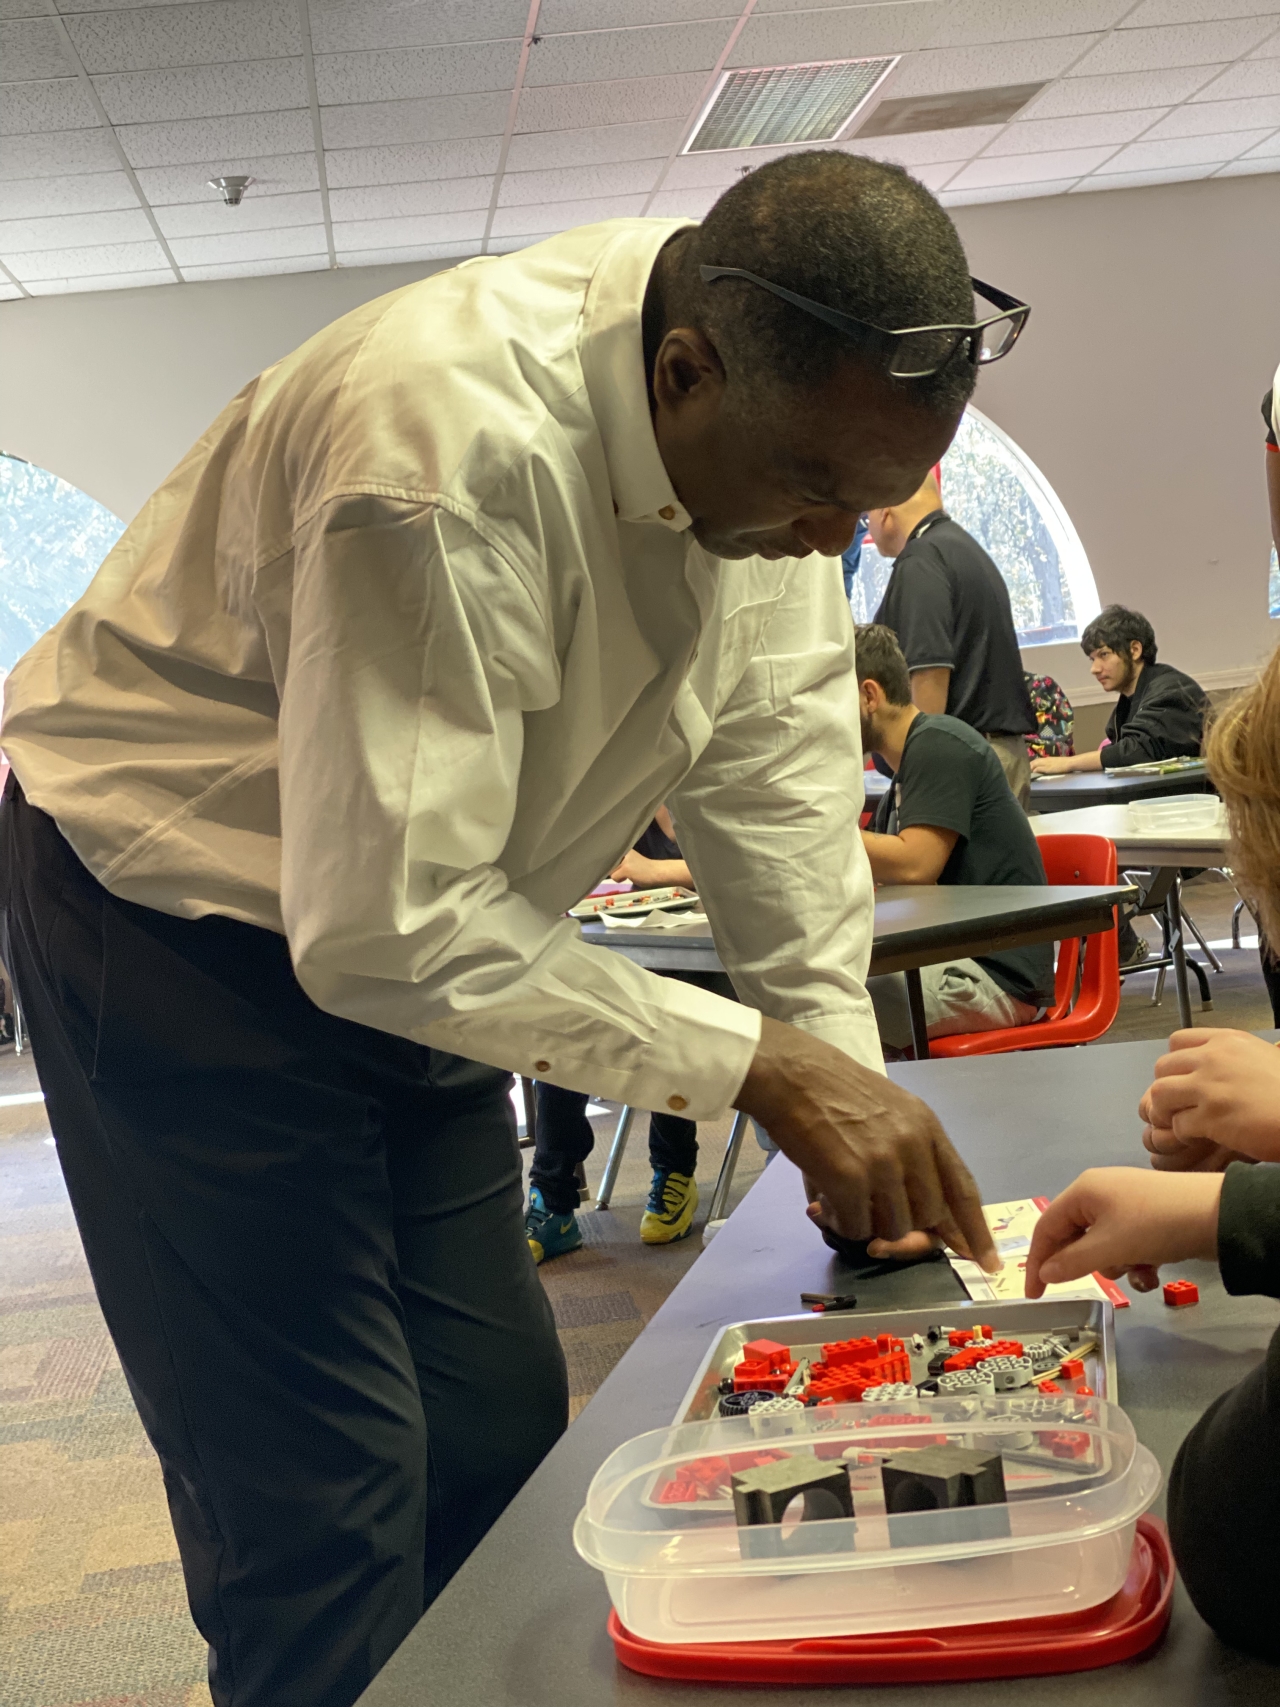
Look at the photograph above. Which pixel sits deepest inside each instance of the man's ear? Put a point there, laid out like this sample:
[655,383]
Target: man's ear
[687,369]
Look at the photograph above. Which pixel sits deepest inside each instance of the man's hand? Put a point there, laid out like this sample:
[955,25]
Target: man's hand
[646,873]
[878,1160]
[1121,1221]
[1052,765]
[1216,1095]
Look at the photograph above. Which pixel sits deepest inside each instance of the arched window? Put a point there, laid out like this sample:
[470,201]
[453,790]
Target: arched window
[997,493]
[53,536]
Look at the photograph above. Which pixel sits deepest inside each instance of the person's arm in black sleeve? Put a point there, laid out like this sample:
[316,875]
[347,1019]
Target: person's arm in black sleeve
[923,620]
[1224,1490]
[1167,723]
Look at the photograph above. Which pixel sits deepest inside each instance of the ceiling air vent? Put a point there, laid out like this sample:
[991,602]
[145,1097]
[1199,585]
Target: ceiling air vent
[949,112]
[773,104]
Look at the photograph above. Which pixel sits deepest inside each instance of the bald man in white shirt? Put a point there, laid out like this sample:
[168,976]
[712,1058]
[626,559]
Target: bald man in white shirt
[386,676]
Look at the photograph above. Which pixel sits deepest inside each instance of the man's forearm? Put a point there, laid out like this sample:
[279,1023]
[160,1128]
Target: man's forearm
[894,860]
[1066,766]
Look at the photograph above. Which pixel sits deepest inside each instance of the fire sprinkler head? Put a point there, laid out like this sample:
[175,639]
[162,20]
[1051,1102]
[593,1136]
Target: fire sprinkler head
[231,189]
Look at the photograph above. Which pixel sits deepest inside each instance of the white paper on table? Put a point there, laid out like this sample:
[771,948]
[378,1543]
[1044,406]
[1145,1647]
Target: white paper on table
[1012,1225]
[652,921]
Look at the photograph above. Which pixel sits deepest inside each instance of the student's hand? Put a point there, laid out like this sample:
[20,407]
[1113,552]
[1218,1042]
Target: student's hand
[1050,765]
[1121,1221]
[1216,1094]
[877,1161]
[634,868]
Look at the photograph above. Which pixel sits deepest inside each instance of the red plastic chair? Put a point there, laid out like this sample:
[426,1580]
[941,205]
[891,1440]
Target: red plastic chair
[1076,1016]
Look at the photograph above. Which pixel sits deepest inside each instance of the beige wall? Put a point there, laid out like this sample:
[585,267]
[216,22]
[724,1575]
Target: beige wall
[1155,327]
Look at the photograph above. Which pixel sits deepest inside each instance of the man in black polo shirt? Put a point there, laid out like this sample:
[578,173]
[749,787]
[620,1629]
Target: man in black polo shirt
[1160,711]
[949,818]
[949,607]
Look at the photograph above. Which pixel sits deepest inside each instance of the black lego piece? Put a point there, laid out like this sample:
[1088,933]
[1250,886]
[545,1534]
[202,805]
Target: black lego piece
[762,1495]
[946,1481]
[738,1404]
[820,1301]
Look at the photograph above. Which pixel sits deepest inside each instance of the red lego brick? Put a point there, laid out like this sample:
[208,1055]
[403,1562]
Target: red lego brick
[1073,1368]
[959,1336]
[1048,1387]
[1086,1392]
[765,1351]
[1179,1293]
[843,1352]
[1068,1444]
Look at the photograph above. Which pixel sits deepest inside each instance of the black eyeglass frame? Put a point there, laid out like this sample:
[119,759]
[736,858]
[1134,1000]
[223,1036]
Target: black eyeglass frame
[1012,308]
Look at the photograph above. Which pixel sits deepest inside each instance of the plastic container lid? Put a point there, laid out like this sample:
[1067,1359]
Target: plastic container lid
[660,1523]
[1132,1621]
[1194,812]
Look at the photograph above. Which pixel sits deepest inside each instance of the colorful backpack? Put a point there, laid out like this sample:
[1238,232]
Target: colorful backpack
[1054,719]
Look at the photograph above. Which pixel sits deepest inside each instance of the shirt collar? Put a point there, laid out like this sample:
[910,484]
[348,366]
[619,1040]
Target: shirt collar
[613,367]
[925,523]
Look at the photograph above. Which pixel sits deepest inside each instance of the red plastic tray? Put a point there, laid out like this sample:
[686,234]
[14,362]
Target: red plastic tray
[1127,1624]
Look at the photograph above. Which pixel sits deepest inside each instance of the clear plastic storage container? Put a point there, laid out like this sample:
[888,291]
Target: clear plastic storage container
[1193,814]
[682,1568]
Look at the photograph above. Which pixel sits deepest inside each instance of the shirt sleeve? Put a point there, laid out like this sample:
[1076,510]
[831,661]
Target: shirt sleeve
[917,607]
[1167,723]
[1267,417]
[1249,1229]
[768,820]
[939,782]
[416,651]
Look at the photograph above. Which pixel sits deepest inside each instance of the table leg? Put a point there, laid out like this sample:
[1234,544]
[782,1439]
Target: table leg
[915,1007]
[1177,948]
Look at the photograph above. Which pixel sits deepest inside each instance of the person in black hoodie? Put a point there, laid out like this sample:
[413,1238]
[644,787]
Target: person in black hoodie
[1160,711]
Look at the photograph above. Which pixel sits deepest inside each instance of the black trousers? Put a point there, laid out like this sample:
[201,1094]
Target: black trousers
[564,1138]
[307,1239]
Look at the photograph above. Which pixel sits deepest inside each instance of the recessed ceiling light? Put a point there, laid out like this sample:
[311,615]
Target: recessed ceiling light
[955,111]
[773,104]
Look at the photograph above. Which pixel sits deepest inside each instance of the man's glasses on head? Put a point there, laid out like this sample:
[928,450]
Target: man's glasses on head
[909,352]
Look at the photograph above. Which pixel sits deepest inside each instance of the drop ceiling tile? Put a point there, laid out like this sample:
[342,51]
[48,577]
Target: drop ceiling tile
[594,55]
[1006,193]
[31,48]
[378,124]
[924,147]
[154,38]
[60,104]
[1249,167]
[409,252]
[1140,180]
[849,32]
[537,151]
[695,171]
[465,157]
[395,201]
[317,263]
[936,176]
[23,9]
[560,17]
[1203,118]
[1184,151]
[76,286]
[1029,168]
[939,70]
[74,230]
[94,192]
[627,100]
[250,245]
[1269,48]
[181,141]
[1198,11]
[1029,136]
[203,91]
[691,203]
[408,72]
[1243,81]
[272,174]
[1119,94]
[211,217]
[365,234]
[46,154]
[352,26]
[560,216]
[84,260]
[1172,45]
[970,22]
[9,292]
[1266,149]
[577,183]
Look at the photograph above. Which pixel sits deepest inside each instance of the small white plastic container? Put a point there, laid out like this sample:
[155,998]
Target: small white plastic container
[1062,1542]
[1201,814]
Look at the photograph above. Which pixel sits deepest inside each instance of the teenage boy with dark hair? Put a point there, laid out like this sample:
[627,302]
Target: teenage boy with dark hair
[1160,711]
[950,817]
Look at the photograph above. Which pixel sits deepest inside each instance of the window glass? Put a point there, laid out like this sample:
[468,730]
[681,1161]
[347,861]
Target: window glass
[1273,586]
[999,495]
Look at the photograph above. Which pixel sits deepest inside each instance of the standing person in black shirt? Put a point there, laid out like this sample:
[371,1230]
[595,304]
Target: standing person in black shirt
[949,818]
[1160,711]
[949,607]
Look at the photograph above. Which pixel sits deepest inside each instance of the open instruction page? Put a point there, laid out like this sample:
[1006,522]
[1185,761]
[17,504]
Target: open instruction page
[1012,1225]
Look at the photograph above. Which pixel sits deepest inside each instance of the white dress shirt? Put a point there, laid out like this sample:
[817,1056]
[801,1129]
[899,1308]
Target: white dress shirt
[403,656]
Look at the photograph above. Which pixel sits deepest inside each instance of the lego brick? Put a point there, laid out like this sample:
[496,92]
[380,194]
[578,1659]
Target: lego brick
[1073,1368]
[1179,1293]
[765,1351]
[774,1416]
[738,1404]
[761,1496]
[948,1481]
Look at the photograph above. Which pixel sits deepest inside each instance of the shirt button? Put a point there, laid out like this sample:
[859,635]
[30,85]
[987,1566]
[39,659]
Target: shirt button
[667,513]
[542,1066]
[677,1103]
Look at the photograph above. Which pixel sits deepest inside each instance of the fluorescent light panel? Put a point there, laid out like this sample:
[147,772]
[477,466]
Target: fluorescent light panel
[773,104]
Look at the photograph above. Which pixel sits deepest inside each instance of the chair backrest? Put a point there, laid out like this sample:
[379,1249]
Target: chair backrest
[1073,860]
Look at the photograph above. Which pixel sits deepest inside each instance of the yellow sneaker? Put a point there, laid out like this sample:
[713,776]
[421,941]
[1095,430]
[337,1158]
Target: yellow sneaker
[669,1212]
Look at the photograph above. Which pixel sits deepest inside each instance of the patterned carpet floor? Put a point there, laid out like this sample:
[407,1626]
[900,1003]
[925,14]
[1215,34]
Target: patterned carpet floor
[92,1608]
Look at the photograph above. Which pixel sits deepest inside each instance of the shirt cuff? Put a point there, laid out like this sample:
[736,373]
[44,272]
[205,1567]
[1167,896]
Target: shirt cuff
[698,1058]
[856,1034]
[1249,1230]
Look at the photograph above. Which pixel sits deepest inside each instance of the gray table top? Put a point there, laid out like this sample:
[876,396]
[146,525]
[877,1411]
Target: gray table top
[915,925]
[523,1622]
[1099,788]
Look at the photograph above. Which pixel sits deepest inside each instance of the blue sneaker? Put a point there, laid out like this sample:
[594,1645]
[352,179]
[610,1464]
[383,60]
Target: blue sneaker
[549,1235]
